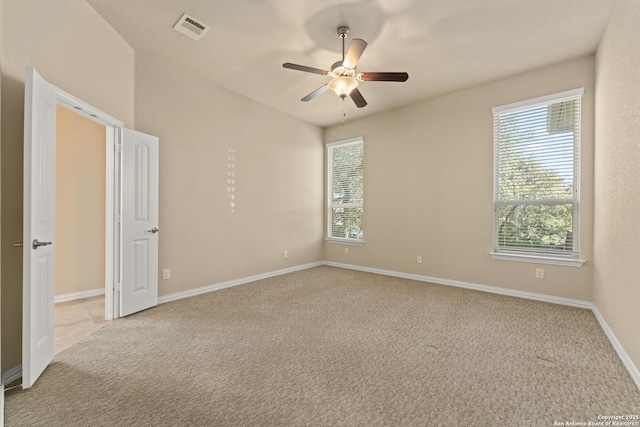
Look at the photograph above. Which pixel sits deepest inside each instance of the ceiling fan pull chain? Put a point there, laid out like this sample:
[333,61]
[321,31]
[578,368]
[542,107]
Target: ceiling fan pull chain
[344,112]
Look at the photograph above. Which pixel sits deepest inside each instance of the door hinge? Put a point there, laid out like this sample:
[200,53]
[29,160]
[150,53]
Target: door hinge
[117,287]
[118,148]
[118,217]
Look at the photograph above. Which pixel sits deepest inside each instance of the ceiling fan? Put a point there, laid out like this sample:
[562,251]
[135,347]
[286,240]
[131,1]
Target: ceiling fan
[345,78]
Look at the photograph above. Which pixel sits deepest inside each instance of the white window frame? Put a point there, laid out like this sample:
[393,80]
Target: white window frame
[329,238]
[539,257]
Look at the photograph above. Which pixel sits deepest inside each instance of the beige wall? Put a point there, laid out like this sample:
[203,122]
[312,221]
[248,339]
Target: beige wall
[80,203]
[278,180]
[617,171]
[428,180]
[76,50]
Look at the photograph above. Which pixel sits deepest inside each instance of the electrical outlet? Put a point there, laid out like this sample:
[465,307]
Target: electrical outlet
[346,251]
[285,254]
[166,274]
[419,259]
[540,273]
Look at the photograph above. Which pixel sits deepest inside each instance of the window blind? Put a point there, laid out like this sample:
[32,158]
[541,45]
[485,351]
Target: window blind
[536,149]
[345,188]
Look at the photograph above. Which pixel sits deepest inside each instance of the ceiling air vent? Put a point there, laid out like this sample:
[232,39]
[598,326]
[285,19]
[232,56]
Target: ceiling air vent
[191,27]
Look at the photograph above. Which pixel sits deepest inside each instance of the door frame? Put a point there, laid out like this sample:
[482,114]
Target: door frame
[113,197]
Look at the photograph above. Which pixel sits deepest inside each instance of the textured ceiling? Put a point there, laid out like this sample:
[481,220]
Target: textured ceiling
[444,45]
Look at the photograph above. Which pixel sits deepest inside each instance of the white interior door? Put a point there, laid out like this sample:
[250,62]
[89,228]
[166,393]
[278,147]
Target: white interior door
[139,222]
[39,226]
[138,237]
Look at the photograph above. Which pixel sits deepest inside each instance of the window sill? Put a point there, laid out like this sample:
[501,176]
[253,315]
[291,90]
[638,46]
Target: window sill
[352,242]
[538,259]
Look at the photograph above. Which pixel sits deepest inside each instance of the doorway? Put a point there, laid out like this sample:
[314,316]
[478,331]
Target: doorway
[131,239]
[79,290]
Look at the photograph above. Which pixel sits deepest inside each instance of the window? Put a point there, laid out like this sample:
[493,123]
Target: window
[345,191]
[536,172]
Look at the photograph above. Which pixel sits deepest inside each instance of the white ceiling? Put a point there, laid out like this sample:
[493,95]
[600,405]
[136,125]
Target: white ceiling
[444,45]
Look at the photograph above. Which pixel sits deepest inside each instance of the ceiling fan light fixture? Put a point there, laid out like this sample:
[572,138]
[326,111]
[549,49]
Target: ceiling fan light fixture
[343,85]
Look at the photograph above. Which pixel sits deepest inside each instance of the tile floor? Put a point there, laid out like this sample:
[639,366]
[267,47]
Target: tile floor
[76,320]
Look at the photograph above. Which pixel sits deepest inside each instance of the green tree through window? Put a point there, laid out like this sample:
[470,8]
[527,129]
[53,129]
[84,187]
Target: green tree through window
[345,189]
[536,155]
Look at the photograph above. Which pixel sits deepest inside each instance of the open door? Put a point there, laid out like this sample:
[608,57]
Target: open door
[136,274]
[39,226]
[139,229]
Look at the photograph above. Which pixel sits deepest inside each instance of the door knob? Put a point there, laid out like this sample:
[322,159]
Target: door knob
[37,244]
[154,230]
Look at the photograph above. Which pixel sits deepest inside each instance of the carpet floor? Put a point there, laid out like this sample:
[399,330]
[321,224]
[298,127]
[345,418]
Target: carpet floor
[334,347]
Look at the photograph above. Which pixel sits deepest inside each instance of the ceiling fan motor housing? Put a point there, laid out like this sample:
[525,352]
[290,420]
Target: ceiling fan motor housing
[338,70]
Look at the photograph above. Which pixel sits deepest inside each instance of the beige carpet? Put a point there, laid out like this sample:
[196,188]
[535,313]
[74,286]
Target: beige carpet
[333,347]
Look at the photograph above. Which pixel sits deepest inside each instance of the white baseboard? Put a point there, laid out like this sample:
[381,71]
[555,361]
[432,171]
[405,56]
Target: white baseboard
[467,285]
[11,375]
[622,354]
[235,282]
[78,295]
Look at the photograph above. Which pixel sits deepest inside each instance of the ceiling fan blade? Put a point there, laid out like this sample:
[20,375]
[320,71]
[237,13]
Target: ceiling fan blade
[315,93]
[358,98]
[305,68]
[384,77]
[356,48]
